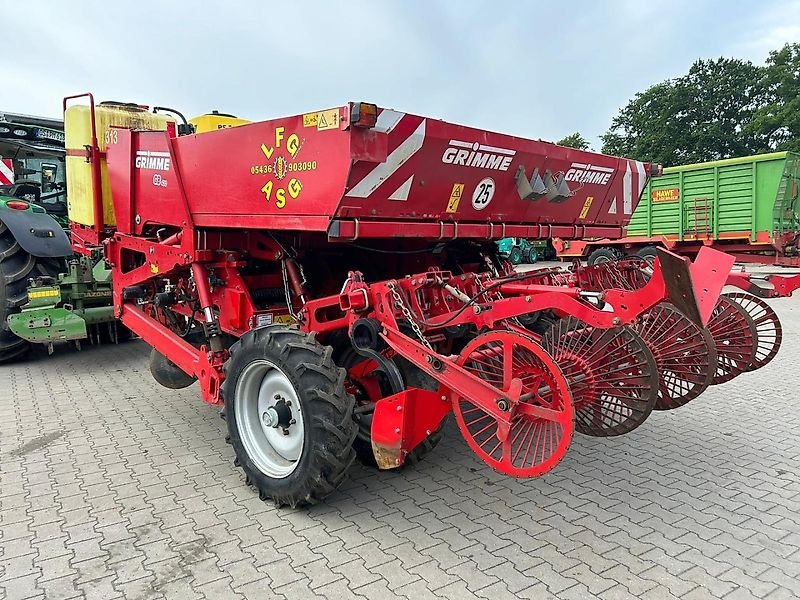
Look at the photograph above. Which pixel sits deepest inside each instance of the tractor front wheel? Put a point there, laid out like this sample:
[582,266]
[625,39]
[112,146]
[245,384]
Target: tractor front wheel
[16,267]
[289,416]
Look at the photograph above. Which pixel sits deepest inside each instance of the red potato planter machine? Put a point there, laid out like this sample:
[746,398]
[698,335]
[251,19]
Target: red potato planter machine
[331,278]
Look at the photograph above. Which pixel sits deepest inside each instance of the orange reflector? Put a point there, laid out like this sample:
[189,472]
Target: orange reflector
[18,205]
[364,114]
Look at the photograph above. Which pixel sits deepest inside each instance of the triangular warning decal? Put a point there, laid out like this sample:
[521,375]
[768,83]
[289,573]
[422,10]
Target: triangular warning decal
[322,122]
[613,209]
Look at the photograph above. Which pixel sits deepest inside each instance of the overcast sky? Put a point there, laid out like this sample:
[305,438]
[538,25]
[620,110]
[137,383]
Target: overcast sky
[535,69]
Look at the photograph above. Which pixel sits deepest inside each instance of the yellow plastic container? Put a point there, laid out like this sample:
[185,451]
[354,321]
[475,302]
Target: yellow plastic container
[214,121]
[78,135]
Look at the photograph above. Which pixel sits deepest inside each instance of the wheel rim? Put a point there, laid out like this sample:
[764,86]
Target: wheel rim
[734,335]
[269,419]
[611,373]
[685,355]
[534,445]
[768,328]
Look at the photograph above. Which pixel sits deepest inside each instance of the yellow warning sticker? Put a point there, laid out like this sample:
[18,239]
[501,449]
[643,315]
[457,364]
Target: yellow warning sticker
[586,206]
[43,294]
[455,197]
[323,120]
[310,119]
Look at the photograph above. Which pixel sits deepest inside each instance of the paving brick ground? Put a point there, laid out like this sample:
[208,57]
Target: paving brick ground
[112,487]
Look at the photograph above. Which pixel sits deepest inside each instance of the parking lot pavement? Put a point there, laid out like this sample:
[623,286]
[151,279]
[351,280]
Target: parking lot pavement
[113,487]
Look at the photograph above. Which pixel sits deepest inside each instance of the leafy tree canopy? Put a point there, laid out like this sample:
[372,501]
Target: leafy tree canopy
[721,108]
[574,140]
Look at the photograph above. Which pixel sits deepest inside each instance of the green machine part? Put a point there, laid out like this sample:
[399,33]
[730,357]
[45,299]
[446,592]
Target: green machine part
[752,198]
[69,308]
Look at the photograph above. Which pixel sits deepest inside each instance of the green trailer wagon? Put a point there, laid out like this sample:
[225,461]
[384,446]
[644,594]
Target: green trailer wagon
[748,207]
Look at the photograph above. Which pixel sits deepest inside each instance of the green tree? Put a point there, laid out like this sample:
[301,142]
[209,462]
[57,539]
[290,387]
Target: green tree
[574,140]
[704,115]
[778,120]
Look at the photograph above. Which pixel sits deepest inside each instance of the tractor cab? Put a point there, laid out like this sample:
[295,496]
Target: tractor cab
[32,161]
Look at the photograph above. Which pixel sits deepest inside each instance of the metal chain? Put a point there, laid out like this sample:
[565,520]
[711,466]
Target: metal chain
[287,292]
[408,315]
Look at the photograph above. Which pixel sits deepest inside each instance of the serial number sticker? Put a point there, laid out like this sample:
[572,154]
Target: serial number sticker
[263,320]
[291,167]
[586,206]
[455,197]
[323,120]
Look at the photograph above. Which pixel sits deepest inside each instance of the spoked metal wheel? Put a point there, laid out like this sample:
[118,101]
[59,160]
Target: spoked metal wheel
[541,416]
[685,354]
[611,373]
[735,338]
[270,418]
[768,327]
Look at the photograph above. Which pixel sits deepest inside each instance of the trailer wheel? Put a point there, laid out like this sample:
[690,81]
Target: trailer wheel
[289,417]
[16,267]
[648,254]
[604,255]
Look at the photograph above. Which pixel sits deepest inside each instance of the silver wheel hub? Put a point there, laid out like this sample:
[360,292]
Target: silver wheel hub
[269,419]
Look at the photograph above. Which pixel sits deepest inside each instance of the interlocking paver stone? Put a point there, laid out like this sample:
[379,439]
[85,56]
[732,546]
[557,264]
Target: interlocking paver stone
[112,487]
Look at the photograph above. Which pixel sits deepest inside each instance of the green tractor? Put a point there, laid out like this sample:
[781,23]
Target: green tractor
[47,294]
[520,251]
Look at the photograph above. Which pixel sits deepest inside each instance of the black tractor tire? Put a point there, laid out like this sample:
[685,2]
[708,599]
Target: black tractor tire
[16,268]
[648,253]
[326,413]
[603,255]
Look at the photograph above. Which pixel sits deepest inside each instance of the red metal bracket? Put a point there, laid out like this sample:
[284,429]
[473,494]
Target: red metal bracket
[401,422]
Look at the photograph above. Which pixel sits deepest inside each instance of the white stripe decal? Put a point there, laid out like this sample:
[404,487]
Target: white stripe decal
[613,209]
[6,172]
[591,167]
[627,201]
[497,150]
[152,153]
[394,161]
[401,193]
[458,144]
[640,171]
[388,120]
